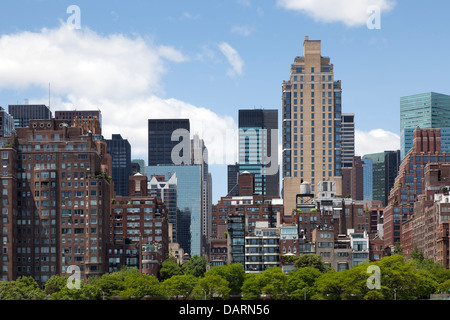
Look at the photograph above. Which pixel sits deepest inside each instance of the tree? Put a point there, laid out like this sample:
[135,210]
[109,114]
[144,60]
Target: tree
[398,279]
[169,268]
[137,286]
[55,284]
[444,287]
[328,286]
[310,260]
[233,273]
[212,286]
[416,255]
[196,266]
[179,286]
[251,288]
[24,288]
[111,284]
[300,283]
[272,283]
[87,291]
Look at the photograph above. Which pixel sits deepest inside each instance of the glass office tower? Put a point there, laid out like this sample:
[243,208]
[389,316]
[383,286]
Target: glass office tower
[160,144]
[22,114]
[189,204]
[120,151]
[384,167]
[256,149]
[425,110]
[348,139]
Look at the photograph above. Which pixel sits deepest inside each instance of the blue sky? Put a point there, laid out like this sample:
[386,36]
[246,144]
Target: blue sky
[143,59]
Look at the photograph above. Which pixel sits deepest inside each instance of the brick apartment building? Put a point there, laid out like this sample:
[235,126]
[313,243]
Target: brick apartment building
[409,184]
[55,202]
[139,230]
[429,226]
[252,208]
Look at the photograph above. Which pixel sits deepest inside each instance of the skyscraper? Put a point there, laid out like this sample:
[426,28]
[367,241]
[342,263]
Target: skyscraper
[22,114]
[165,188]
[199,156]
[232,177]
[160,144]
[189,204]
[384,171]
[368,178]
[257,153]
[311,101]
[120,151]
[425,110]
[348,139]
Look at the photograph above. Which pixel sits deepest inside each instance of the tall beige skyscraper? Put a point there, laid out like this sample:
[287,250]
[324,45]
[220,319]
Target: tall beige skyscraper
[312,120]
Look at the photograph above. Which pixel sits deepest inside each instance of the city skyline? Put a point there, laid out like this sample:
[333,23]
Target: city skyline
[230,48]
[221,149]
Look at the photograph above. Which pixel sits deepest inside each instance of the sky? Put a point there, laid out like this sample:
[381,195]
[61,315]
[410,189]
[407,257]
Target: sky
[204,60]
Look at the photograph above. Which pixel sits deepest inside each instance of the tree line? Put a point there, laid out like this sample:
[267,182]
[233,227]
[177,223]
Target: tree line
[400,278]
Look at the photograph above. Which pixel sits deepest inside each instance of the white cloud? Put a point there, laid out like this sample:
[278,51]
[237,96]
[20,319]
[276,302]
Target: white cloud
[189,16]
[375,141]
[352,13]
[118,74]
[245,3]
[243,30]
[82,62]
[234,59]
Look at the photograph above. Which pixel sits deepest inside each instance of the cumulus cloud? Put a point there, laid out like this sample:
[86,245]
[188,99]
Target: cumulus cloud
[118,74]
[375,141]
[234,59]
[352,13]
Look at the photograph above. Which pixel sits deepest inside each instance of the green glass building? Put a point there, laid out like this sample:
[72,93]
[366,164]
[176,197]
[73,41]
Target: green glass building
[425,110]
[382,172]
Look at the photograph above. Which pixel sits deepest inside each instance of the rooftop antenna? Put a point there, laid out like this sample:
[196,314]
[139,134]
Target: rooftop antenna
[49,96]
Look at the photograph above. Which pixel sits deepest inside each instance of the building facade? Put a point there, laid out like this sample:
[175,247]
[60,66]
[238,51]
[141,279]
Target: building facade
[22,114]
[139,230]
[56,202]
[347,139]
[429,226]
[409,184]
[70,115]
[166,189]
[258,152]
[189,204]
[232,179]
[425,110]
[384,168]
[161,144]
[312,109]
[120,151]
[6,123]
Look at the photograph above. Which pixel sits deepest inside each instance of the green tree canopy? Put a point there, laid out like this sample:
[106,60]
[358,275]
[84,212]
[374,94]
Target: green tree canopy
[310,260]
[233,273]
[212,286]
[179,286]
[196,266]
[24,288]
[169,268]
[251,288]
[300,283]
[137,286]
